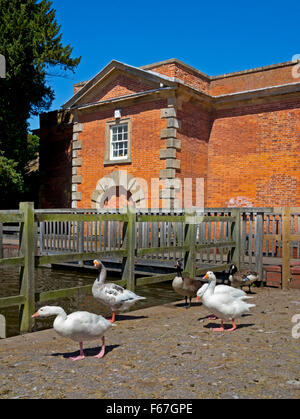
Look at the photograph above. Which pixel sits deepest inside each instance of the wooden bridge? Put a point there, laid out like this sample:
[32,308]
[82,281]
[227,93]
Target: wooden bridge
[205,240]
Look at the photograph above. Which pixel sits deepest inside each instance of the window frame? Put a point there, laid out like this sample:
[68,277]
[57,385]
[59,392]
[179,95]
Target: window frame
[112,142]
[108,158]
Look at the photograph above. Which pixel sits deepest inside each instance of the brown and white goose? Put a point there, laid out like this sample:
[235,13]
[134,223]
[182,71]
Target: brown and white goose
[112,295]
[242,278]
[187,287]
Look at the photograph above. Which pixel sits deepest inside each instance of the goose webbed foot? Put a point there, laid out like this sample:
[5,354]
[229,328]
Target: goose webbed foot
[219,329]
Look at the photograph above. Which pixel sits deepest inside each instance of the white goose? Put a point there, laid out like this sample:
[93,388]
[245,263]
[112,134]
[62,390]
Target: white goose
[78,326]
[234,292]
[112,295]
[224,305]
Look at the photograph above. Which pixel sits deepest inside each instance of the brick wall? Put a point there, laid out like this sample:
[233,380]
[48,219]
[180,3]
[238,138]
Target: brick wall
[145,153]
[253,157]
[194,135]
[251,80]
[121,86]
[228,83]
[55,160]
[187,75]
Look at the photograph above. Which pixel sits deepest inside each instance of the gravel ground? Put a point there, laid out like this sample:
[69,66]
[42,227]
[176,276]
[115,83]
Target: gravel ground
[165,352]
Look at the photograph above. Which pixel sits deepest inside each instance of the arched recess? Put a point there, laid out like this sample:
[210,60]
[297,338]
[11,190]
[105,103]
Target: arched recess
[115,183]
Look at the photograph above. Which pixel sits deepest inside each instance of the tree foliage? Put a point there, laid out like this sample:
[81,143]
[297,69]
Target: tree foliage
[11,182]
[31,42]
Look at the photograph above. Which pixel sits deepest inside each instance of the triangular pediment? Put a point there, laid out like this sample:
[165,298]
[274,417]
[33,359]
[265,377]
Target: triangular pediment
[117,80]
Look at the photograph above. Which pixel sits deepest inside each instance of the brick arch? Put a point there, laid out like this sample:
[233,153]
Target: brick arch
[118,179]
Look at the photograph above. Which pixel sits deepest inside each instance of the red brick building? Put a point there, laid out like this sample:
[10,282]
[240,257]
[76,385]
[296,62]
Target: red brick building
[130,131]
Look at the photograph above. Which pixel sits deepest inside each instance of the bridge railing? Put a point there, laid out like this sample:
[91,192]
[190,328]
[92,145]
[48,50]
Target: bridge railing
[213,238]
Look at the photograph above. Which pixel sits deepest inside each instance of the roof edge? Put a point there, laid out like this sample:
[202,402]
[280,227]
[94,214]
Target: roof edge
[175,60]
[225,75]
[110,66]
[253,70]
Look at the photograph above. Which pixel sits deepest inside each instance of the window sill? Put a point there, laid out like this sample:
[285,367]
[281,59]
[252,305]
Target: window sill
[116,162]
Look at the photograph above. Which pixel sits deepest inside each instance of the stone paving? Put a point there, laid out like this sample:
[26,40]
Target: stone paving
[165,352]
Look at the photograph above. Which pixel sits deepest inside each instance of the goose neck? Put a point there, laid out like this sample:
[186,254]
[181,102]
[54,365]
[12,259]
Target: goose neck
[60,313]
[102,275]
[211,287]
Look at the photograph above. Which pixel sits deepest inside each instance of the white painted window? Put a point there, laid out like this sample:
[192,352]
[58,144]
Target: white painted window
[119,142]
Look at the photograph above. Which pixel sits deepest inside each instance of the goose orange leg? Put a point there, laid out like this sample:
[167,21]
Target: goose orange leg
[113,319]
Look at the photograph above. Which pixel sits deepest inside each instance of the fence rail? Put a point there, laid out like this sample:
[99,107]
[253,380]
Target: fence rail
[215,238]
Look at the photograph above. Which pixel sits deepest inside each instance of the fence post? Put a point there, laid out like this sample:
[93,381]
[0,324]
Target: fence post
[259,240]
[243,237]
[1,241]
[286,231]
[27,283]
[80,238]
[190,241]
[236,236]
[129,245]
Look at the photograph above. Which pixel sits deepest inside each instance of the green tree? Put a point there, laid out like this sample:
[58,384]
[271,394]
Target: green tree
[31,42]
[11,182]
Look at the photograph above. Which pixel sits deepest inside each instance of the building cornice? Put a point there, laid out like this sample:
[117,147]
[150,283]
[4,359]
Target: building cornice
[221,76]
[270,94]
[124,99]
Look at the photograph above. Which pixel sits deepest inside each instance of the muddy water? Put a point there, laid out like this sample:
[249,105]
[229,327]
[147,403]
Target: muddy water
[48,279]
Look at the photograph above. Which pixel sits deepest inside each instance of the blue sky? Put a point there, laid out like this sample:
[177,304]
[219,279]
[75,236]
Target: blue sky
[215,37]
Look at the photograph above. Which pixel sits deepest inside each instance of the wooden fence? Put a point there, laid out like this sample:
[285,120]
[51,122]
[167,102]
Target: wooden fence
[212,239]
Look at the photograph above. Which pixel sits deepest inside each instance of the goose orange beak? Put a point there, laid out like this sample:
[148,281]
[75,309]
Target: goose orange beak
[35,315]
[205,276]
[96,263]
[197,299]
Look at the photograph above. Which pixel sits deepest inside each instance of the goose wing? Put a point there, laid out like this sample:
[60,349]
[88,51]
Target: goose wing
[192,284]
[202,290]
[231,290]
[112,294]
[83,324]
[226,306]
